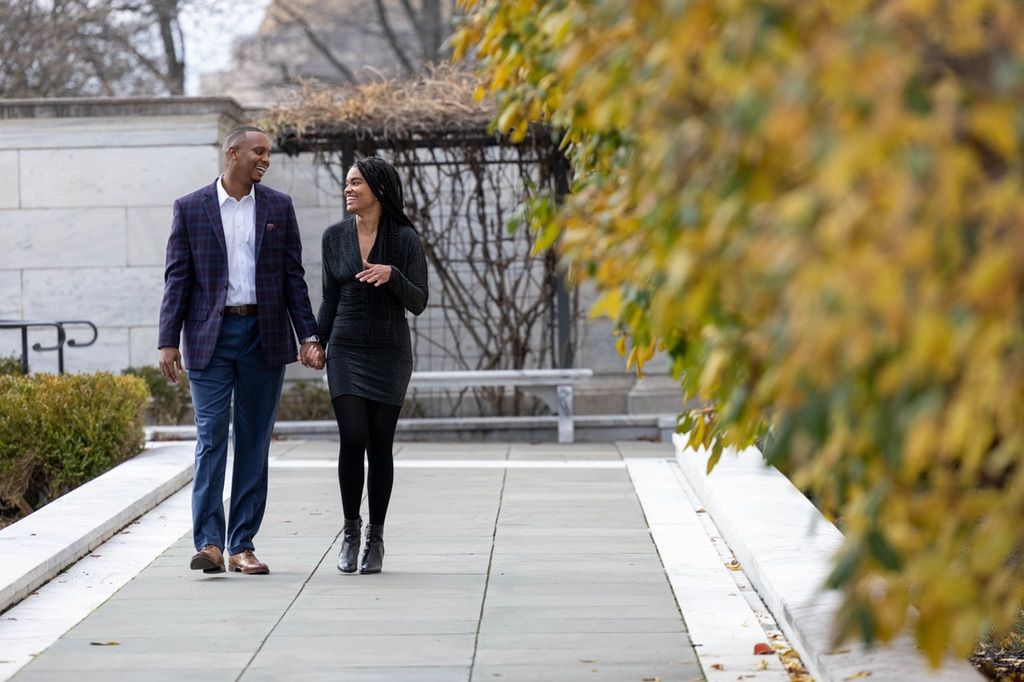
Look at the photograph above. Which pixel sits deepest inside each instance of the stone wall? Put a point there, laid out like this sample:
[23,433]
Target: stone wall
[86,188]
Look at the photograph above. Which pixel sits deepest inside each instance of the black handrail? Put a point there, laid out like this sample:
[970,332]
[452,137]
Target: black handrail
[62,338]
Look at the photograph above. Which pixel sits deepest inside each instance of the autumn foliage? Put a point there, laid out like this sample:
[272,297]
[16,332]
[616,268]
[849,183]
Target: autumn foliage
[816,209]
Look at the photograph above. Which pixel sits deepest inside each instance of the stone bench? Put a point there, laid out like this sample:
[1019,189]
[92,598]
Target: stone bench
[553,386]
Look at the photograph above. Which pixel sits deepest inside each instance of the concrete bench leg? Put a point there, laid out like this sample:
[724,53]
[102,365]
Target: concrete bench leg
[559,401]
[565,425]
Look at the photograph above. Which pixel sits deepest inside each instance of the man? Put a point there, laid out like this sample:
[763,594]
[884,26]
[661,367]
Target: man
[233,291]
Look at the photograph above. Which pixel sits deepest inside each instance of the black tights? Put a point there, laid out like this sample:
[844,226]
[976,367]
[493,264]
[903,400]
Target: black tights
[365,426]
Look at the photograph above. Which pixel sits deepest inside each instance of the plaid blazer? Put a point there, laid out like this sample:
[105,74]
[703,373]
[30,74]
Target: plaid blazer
[196,278]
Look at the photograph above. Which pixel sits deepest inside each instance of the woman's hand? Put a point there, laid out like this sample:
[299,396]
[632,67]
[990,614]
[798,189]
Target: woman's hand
[374,274]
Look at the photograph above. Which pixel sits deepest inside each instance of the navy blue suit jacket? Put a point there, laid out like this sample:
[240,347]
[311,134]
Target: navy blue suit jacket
[196,278]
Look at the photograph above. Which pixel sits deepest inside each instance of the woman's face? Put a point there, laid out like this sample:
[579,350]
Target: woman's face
[358,195]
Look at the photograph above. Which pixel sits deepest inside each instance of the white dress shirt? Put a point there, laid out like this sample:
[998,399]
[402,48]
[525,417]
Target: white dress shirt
[239,220]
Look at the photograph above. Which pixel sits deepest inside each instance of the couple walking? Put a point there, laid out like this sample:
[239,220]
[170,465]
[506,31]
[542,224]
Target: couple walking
[235,295]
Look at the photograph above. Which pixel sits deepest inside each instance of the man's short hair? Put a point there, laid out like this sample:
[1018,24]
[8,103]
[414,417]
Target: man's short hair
[237,134]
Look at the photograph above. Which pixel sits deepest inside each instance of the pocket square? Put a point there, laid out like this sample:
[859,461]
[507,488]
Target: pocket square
[271,227]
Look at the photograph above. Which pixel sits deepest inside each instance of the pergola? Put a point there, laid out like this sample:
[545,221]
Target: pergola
[440,138]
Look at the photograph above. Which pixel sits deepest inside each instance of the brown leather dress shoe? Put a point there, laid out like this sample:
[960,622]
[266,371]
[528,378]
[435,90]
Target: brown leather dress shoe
[246,562]
[210,559]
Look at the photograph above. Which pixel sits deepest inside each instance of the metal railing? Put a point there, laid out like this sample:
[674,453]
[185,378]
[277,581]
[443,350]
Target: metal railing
[62,338]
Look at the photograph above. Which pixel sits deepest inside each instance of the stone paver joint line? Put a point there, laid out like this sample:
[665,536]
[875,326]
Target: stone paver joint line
[487,579]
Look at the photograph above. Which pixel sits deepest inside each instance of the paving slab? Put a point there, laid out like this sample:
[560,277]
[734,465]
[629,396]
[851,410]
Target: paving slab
[588,670]
[501,558]
[376,673]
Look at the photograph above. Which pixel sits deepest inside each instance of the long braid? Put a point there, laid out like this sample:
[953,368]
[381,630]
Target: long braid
[386,185]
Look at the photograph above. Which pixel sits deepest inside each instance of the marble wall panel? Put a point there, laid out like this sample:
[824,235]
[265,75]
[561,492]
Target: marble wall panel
[125,297]
[142,346]
[110,131]
[147,229]
[10,294]
[595,347]
[312,223]
[9,185]
[308,184]
[139,176]
[68,238]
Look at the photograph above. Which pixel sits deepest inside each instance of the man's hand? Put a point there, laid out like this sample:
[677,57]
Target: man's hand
[170,363]
[374,274]
[312,355]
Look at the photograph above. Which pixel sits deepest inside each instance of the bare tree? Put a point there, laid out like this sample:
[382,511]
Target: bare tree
[428,22]
[91,47]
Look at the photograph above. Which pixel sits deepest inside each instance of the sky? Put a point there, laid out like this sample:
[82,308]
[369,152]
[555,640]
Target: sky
[209,35]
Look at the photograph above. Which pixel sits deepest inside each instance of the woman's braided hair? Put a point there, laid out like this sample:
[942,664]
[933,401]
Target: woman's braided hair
[386,185]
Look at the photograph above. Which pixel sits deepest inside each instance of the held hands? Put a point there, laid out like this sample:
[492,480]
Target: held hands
[170,363]
[374,274]
[312,355]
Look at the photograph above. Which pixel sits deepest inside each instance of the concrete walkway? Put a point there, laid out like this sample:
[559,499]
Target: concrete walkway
[504,562]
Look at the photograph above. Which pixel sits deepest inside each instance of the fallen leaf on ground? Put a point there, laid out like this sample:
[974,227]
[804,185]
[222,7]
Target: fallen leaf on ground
[763,665]
[733,565]
[111,643]
[859,676]
[717,666]
[763,649]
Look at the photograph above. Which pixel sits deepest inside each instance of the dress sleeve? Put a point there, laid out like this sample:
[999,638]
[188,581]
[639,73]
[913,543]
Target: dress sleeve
[329,303]
[409,281]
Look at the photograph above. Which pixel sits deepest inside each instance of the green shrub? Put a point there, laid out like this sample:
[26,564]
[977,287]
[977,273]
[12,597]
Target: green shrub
[305,400]
[57,432]
[170,403]
[10,365]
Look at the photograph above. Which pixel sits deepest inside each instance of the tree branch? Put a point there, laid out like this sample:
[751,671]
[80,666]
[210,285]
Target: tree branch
[382,14]
[295,17]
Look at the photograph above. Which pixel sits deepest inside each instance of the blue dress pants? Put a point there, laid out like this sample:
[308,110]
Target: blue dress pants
[237,370]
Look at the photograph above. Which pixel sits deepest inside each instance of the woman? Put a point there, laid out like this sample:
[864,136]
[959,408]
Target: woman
[374,270]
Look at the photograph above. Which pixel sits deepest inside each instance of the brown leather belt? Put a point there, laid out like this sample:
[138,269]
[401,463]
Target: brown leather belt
[249,309]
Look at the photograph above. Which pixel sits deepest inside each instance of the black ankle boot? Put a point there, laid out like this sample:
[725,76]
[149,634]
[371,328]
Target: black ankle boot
[373,553]
[349,545]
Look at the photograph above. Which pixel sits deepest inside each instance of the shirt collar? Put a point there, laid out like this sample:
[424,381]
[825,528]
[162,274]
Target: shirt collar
[222,194]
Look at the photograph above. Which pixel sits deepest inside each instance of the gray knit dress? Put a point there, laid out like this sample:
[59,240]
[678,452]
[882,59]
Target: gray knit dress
[369,351]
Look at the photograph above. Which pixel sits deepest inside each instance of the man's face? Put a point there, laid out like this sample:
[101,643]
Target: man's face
[251,158]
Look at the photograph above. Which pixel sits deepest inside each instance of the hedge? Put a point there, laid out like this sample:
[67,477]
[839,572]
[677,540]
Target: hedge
[169,403]
[57,432]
